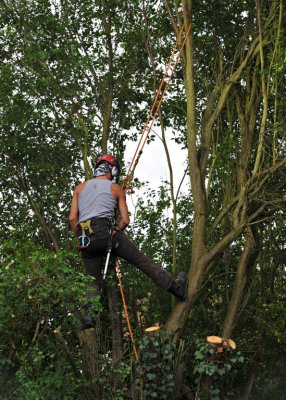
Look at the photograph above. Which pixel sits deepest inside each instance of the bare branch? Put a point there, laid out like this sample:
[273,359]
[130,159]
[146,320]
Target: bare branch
[64,346]
[172,19]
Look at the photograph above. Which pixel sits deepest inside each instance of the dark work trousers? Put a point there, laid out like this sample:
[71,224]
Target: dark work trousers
[94,257]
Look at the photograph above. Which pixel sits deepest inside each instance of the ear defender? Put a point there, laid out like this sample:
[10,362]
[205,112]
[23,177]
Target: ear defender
[114,171]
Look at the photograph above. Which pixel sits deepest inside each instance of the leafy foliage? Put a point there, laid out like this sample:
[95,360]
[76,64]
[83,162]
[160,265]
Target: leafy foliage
[156,367]
[40,291]
[77,77]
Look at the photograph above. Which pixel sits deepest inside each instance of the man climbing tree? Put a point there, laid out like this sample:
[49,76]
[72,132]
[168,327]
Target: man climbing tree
[92,217]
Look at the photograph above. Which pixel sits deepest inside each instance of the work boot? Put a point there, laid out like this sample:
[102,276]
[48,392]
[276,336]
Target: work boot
[179,287]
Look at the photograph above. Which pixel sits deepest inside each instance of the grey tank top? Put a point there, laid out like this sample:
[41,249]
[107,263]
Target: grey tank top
[96,200]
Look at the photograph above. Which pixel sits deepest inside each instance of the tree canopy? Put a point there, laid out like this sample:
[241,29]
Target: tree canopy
[77,80]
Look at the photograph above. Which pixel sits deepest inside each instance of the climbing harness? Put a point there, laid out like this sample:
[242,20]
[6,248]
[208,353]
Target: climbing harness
[87,231]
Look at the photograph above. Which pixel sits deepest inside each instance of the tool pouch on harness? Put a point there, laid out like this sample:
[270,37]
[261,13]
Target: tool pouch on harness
[94,229]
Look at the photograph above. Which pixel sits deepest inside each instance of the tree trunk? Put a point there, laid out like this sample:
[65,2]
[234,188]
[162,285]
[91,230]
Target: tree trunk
[91,366]
[239,285]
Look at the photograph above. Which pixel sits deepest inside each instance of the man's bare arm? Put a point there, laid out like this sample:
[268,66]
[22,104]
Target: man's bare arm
[74,212]
[119,194]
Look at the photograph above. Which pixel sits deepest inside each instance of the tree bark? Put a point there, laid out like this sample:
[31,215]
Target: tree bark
[91,366]
[239,285]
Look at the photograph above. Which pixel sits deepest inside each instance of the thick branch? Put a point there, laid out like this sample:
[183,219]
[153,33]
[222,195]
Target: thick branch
[259,154]
[239,284]
[64,346]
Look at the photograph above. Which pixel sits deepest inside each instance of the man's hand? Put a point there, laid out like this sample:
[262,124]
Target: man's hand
[128,187]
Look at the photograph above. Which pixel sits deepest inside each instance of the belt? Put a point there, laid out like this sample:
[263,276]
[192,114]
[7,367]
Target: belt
[95,220]
[86,226]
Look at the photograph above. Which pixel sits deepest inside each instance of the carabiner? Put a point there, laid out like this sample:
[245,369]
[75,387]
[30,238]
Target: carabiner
[84,241]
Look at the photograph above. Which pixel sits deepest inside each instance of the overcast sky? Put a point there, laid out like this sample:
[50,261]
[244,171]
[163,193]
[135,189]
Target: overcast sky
[153,167]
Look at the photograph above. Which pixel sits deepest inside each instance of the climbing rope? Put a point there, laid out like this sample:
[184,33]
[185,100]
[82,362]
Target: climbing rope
[125,310]
[172,63]
[129,326]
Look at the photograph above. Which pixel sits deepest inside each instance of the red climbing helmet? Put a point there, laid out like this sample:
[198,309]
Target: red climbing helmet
[114,165]
[109,158]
